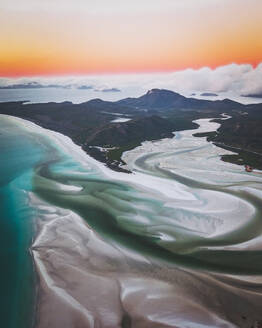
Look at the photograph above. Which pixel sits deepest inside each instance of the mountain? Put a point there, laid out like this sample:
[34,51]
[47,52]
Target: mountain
[155,99]
[152,116]
[161,100]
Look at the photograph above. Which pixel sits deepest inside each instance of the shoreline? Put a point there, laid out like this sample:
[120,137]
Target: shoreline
[73,254]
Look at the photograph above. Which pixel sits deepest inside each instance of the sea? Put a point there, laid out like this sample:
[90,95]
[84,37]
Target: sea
[76,96]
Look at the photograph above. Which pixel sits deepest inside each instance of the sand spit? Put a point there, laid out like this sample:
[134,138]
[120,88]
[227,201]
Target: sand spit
[85,282]
[180,199]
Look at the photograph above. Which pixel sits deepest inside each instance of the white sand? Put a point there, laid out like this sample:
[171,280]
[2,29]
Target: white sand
[85,281]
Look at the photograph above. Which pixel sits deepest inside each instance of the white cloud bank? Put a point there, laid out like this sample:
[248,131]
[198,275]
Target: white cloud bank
[238,79]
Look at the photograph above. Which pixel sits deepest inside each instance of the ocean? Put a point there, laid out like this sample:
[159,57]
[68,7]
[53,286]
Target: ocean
[19,155]
[43,95]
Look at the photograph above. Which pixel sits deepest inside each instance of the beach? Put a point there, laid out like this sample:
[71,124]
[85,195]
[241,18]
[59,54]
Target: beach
[174,244]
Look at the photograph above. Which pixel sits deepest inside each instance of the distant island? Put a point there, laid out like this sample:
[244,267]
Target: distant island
[208,94]
[36,85]
[84,87]
[33,85]
[253,95]
[154,115]
[108,90]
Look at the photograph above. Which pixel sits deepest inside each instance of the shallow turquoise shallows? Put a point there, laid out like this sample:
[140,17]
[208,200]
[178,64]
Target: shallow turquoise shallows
[19,153]
[184,213]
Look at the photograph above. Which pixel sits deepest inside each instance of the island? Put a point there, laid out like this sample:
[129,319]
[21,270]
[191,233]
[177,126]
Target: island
[154,115]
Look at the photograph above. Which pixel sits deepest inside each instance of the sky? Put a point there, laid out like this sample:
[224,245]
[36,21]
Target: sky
[81,37]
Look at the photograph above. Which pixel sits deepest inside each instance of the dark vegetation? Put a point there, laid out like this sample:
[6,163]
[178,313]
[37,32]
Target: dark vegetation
[154,115]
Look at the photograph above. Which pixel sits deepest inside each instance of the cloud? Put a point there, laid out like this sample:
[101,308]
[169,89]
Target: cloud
[108,90]
[240,79]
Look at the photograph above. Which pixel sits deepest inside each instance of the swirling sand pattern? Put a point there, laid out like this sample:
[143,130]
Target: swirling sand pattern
[175,244]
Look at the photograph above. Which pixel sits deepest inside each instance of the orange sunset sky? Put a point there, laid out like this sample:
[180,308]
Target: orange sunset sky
[63,37]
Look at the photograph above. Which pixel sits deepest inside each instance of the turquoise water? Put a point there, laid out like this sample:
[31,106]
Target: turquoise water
[23,151]
[19,154]
[199,224]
